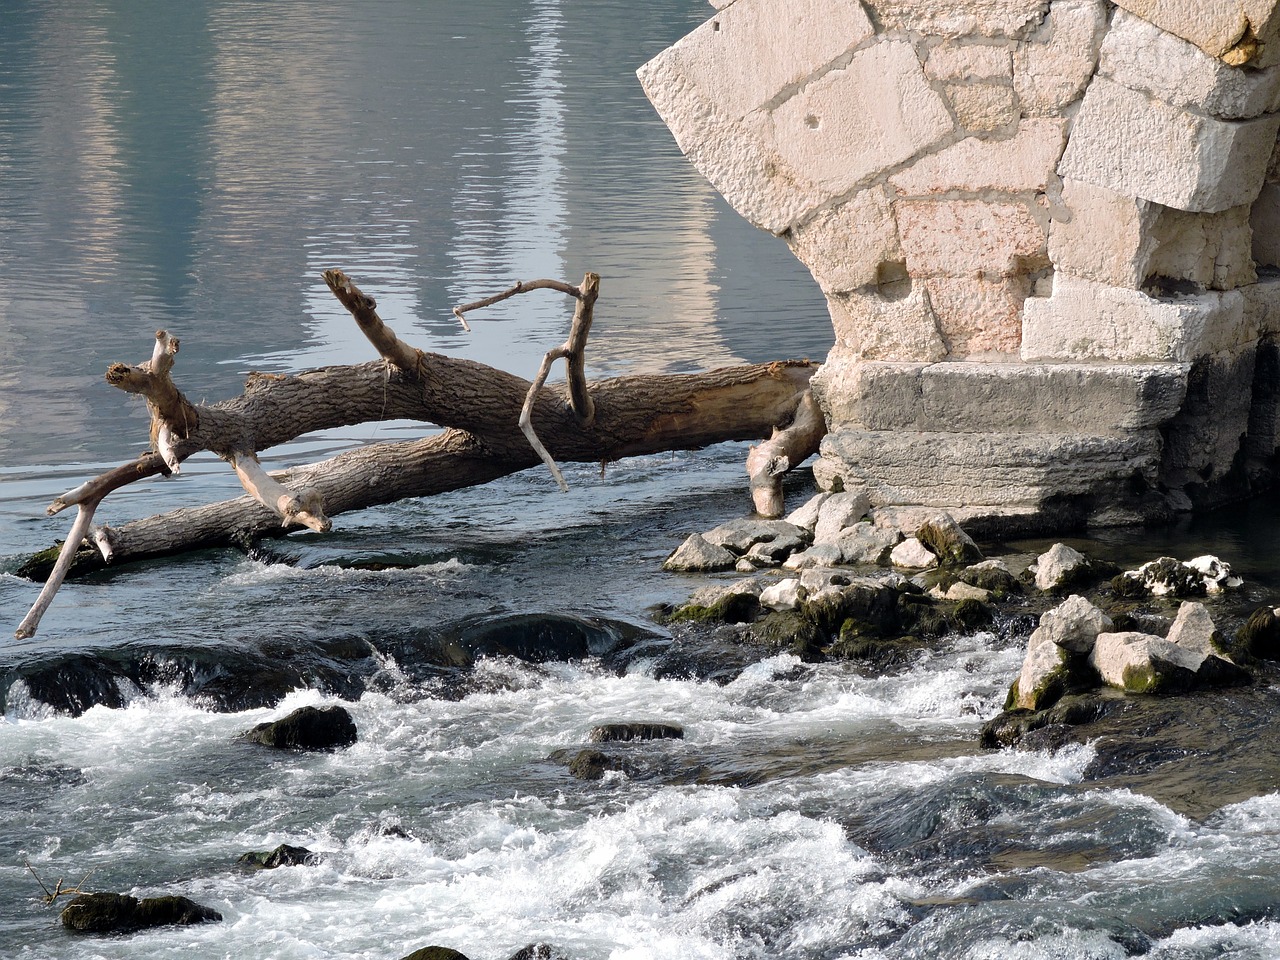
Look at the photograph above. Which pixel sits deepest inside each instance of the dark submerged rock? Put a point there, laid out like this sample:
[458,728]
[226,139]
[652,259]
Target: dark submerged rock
[592,764]
[538,951]
[118,913]
[436,953]
[622,732]
[1260,635]
[307,728]
[282,856]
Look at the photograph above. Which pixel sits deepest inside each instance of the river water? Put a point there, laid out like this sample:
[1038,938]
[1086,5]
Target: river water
[196,166]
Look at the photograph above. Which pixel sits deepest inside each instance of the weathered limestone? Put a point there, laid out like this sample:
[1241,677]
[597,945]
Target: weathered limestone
[1236,31]
[1073,625]
[1126,141]
[1056,566]
[1039,226]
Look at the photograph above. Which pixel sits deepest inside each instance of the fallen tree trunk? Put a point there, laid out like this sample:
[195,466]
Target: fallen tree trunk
[489,416]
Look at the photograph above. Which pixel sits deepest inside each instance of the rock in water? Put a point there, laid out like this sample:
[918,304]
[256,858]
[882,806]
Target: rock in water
[307,728]
[943,536]
[620,732]
[1058,566]
[282,856]
[436,953]
[538,951]
[913,554]
[698,554]
[118,913]
[1073,625]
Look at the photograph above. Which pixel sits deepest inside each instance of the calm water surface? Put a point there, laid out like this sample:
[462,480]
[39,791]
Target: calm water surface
[196,166]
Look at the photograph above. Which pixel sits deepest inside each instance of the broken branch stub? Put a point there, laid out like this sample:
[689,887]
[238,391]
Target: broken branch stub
[768,462]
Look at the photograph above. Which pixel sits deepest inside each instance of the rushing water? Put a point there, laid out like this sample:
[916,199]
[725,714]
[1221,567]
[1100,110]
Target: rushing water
[195,166]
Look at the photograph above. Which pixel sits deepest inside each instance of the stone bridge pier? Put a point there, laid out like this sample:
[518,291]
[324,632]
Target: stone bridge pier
[1048,234]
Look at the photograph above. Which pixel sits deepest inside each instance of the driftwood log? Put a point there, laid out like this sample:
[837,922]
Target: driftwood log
[495,424]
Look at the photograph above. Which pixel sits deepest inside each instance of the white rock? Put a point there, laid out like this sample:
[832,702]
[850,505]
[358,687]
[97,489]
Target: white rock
[966,591]
[817,579]
[1073,625]
[983,107]
[754,49]
[957,60]
[1042,665]
[1140,662]
[818,555]
[871,327]
[696,553]
[806,517]
[867,543]
[1129,143]
[1193,629]
[1216,573]
[839,511]
[783,595]
[913,554]
[1056,564]
[954,18]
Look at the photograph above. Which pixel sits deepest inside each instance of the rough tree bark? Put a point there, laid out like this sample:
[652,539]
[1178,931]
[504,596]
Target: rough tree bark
[489,416]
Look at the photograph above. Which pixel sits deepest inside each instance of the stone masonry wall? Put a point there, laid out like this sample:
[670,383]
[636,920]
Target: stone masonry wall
[1048,234]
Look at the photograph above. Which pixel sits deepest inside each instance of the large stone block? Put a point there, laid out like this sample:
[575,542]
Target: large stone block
[1114,239]
[957,238]
[979,316]
[991,469]
[1126,141]
[1021,163]
[1227,29]
[853,124]
[983,108]
[954,18]
[974,397]
[844,248]
[732,154]
[1052,68]
[870,326]
[754,49]
[1144,57]
[960,60]
[1084,320]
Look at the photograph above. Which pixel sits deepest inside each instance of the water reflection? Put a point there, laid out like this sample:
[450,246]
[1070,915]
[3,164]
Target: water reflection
[197,167]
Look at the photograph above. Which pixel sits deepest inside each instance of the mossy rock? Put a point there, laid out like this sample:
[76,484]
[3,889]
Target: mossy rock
[1260,635]
[731,608]
[538,951]
[879,653]
[592,764]
[1001,583]
[1009,727]
[1158,677]
[970,614]
[785,630]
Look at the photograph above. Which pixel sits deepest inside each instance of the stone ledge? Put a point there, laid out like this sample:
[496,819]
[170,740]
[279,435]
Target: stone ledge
[969,397]
[986,470]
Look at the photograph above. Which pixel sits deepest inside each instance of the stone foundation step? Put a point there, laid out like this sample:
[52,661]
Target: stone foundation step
[954,470]
[971,397]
